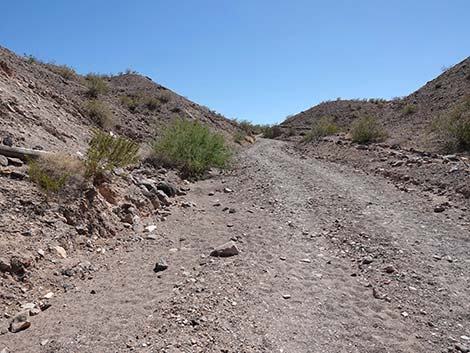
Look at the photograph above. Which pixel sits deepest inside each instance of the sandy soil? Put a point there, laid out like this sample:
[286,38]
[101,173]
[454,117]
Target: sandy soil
[331,260]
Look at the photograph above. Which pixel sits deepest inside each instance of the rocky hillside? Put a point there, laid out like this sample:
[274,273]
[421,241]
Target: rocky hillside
[406,119]
[43,104]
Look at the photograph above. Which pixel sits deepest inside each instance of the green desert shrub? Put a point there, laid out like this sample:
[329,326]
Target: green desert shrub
[271,132]
[192,147]
[131,102]
[57,172]
[239,137]
[106,152]
[63,70]
[96,85]
[367,129]
[409,109]
[100,114]
[322,127]
[454,127]
[151,102]
[164,97]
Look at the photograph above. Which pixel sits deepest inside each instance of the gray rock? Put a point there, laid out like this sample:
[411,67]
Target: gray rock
[462,348]
[20,322]
[4,265]
[367,260]
[389,269]
[3,161]
[167,188]
[225,250]
[439,209]
[8,141]
[163,198]
[15,161]
[161,265]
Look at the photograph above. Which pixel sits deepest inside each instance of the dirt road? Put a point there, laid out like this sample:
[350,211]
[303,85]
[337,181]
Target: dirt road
[332,260]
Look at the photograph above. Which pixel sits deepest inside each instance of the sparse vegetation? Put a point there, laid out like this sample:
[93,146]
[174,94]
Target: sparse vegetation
[30,58]
[63,70]
[192,147]
[96,85]
[239,137]
[57,173]
[271,131]
[409,109]
[367,129]
[164,97]
[152,103]
[100,114]
[106,152]
[131,102]
[322,127]
[454,127]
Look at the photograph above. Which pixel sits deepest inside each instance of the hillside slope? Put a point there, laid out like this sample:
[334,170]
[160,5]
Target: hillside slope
[407,119]
[45,105]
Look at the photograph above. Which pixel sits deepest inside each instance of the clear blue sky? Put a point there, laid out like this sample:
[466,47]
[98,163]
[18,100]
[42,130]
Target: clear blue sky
[253,59]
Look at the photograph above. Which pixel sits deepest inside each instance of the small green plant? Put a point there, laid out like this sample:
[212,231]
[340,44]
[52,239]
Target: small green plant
[409,109]
[131,102]
[152,103]
[106,152]
[63,70]
[192,147]
[100,114]
[239,137]
[30,58]
[322,127]
[96,85]
[367,129]
[271,132]
[57,172]
[454,127]
[164,97]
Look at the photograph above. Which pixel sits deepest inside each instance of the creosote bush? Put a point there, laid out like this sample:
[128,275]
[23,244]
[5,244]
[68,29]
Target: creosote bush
[367,129]
[96,85]
[239,137]
[409,109]
[271,131]
[106,152]
[454,127]
[57,173]
[322,127]
[191,147]
[100,114]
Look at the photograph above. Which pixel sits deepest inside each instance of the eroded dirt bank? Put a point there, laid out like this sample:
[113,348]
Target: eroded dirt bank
[331,260]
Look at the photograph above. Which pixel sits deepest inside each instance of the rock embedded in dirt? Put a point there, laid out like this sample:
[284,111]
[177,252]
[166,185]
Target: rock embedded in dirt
[228,190]
[163,198]
[7,141]
[367,260]
[61,252]
[3,161]
[461,348]
[389,269]
[161,265]
[439,209]
[20,322]
[16,162]
[286,296]
[4,265]
[167,188]
[225,250]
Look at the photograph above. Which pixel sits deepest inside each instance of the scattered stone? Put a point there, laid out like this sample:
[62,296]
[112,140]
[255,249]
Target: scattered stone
[462,348]
[61,252]
[230,225]
[4,265]
[389,269]
[163,198]
[44,342]
[377,294]
[151,228]
[211,193]
[151,236]
[405,314]
[8,141]
[228,191]
[187,204]
[3,161]
[167,188]
[367,260]
[48,295]
[286,296]
[306,261]
[225,250]
[34,311]
[161,265]
[173,250]
[20,322]
[439,209]
[465,338]
[232,210]
[16,162]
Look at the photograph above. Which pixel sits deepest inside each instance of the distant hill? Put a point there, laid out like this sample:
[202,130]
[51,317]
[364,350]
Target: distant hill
[407,119]
[48,105]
